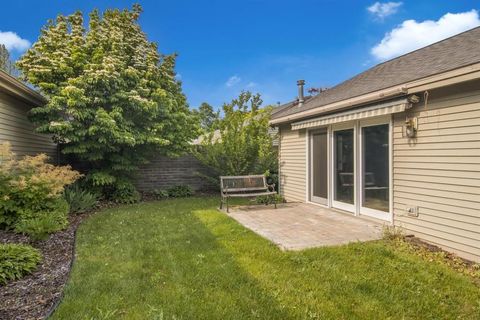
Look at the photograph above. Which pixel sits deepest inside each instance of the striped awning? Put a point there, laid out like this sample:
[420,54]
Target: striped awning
[380,109]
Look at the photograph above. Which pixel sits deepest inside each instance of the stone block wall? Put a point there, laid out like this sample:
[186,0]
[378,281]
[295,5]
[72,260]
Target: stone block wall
[165,172]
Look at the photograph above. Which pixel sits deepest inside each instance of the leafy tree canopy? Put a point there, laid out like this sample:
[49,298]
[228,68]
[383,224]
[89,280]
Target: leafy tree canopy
[240,142]
[206,116]
[113,100]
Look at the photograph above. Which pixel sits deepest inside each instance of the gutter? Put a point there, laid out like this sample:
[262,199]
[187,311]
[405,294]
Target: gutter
[19,90]
[451,77]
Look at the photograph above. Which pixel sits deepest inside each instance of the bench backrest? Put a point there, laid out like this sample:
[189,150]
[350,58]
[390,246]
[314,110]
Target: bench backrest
[243,183]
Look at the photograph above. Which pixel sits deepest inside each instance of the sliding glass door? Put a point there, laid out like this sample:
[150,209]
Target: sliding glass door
[350,167]
[344,169]
[375,170]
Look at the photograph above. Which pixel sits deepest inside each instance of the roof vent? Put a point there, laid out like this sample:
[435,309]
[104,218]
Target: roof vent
[301,97]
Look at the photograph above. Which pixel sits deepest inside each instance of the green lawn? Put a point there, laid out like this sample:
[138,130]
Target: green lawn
[182,259]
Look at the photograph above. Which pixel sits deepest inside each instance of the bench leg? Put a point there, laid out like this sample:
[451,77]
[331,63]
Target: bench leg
[226,200]
[221,203]
[275,202]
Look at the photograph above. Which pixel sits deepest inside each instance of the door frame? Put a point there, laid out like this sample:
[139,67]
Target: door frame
[310,179]
[382,215]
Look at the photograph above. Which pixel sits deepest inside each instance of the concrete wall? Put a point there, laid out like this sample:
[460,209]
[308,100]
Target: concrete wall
[164,172]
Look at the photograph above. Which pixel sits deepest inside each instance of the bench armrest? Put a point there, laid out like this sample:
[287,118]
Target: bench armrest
[271,187]
[224,191]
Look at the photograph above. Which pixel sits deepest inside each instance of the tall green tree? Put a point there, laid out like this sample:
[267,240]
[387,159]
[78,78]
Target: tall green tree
[113,100]
[240,142]
[206,116]
[6,63]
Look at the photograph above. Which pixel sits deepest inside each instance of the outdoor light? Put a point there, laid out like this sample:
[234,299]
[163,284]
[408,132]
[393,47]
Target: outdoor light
[411,127]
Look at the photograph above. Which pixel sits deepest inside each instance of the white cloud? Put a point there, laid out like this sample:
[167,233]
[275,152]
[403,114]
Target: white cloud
[13,42]
[233,80]
[251,84]
[383,10]
[411,35]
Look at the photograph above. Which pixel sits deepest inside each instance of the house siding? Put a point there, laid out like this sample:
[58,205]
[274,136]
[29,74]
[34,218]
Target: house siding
[292,162]
[439,170]
[19,131]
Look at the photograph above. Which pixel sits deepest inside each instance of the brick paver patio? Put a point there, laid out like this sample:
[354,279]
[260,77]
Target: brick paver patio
[297,226]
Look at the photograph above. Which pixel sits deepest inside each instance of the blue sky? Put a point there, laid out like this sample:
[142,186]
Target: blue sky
[264,45]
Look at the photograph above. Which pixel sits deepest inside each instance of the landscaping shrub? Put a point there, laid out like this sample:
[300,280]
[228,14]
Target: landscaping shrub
[181,191]
[17,260]
[79,200]
[160,193]
[31,192]
[392,233]
[124,192]
[269,199]
[38,225]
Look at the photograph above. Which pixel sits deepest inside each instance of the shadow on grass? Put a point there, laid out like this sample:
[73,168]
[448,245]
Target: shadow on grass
[371,280]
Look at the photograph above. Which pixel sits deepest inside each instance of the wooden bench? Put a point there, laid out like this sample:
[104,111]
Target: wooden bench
[245,186]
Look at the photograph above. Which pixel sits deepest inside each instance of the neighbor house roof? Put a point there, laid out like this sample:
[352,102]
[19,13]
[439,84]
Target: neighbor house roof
[280,108]
[18,89]
[449,54]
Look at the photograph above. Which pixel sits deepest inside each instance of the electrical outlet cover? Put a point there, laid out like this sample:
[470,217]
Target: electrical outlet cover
[412,211]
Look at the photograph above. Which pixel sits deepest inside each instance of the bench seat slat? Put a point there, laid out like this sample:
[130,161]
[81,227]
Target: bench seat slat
[243,177]
[229,190]
[233,195]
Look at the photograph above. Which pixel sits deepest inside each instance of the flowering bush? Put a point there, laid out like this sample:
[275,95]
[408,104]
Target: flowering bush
[31,190]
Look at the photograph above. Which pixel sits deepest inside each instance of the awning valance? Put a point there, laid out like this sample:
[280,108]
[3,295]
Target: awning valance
[356,114]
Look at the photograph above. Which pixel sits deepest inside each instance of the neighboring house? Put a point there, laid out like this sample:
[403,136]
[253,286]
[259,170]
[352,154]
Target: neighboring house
[16,100]
[399,142]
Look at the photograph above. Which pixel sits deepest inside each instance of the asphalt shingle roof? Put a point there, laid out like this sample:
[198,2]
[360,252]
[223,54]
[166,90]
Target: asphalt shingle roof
[452,53]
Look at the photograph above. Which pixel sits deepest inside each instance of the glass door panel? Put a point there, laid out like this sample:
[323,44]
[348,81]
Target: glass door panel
[375,175]
[344,166]
[319,167]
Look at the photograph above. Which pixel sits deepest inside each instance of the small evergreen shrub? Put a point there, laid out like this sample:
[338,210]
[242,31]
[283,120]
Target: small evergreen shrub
[180,191]
[160,193]
[79,200]
[17,260]
[269,199]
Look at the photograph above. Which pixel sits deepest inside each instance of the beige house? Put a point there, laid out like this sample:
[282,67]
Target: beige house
[399,143]
[16,100]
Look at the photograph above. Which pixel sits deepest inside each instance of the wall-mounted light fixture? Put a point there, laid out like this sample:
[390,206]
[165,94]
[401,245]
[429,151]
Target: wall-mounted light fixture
[411,127]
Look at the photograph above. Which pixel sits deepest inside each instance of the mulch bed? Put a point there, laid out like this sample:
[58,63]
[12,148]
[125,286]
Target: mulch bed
[35,296]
